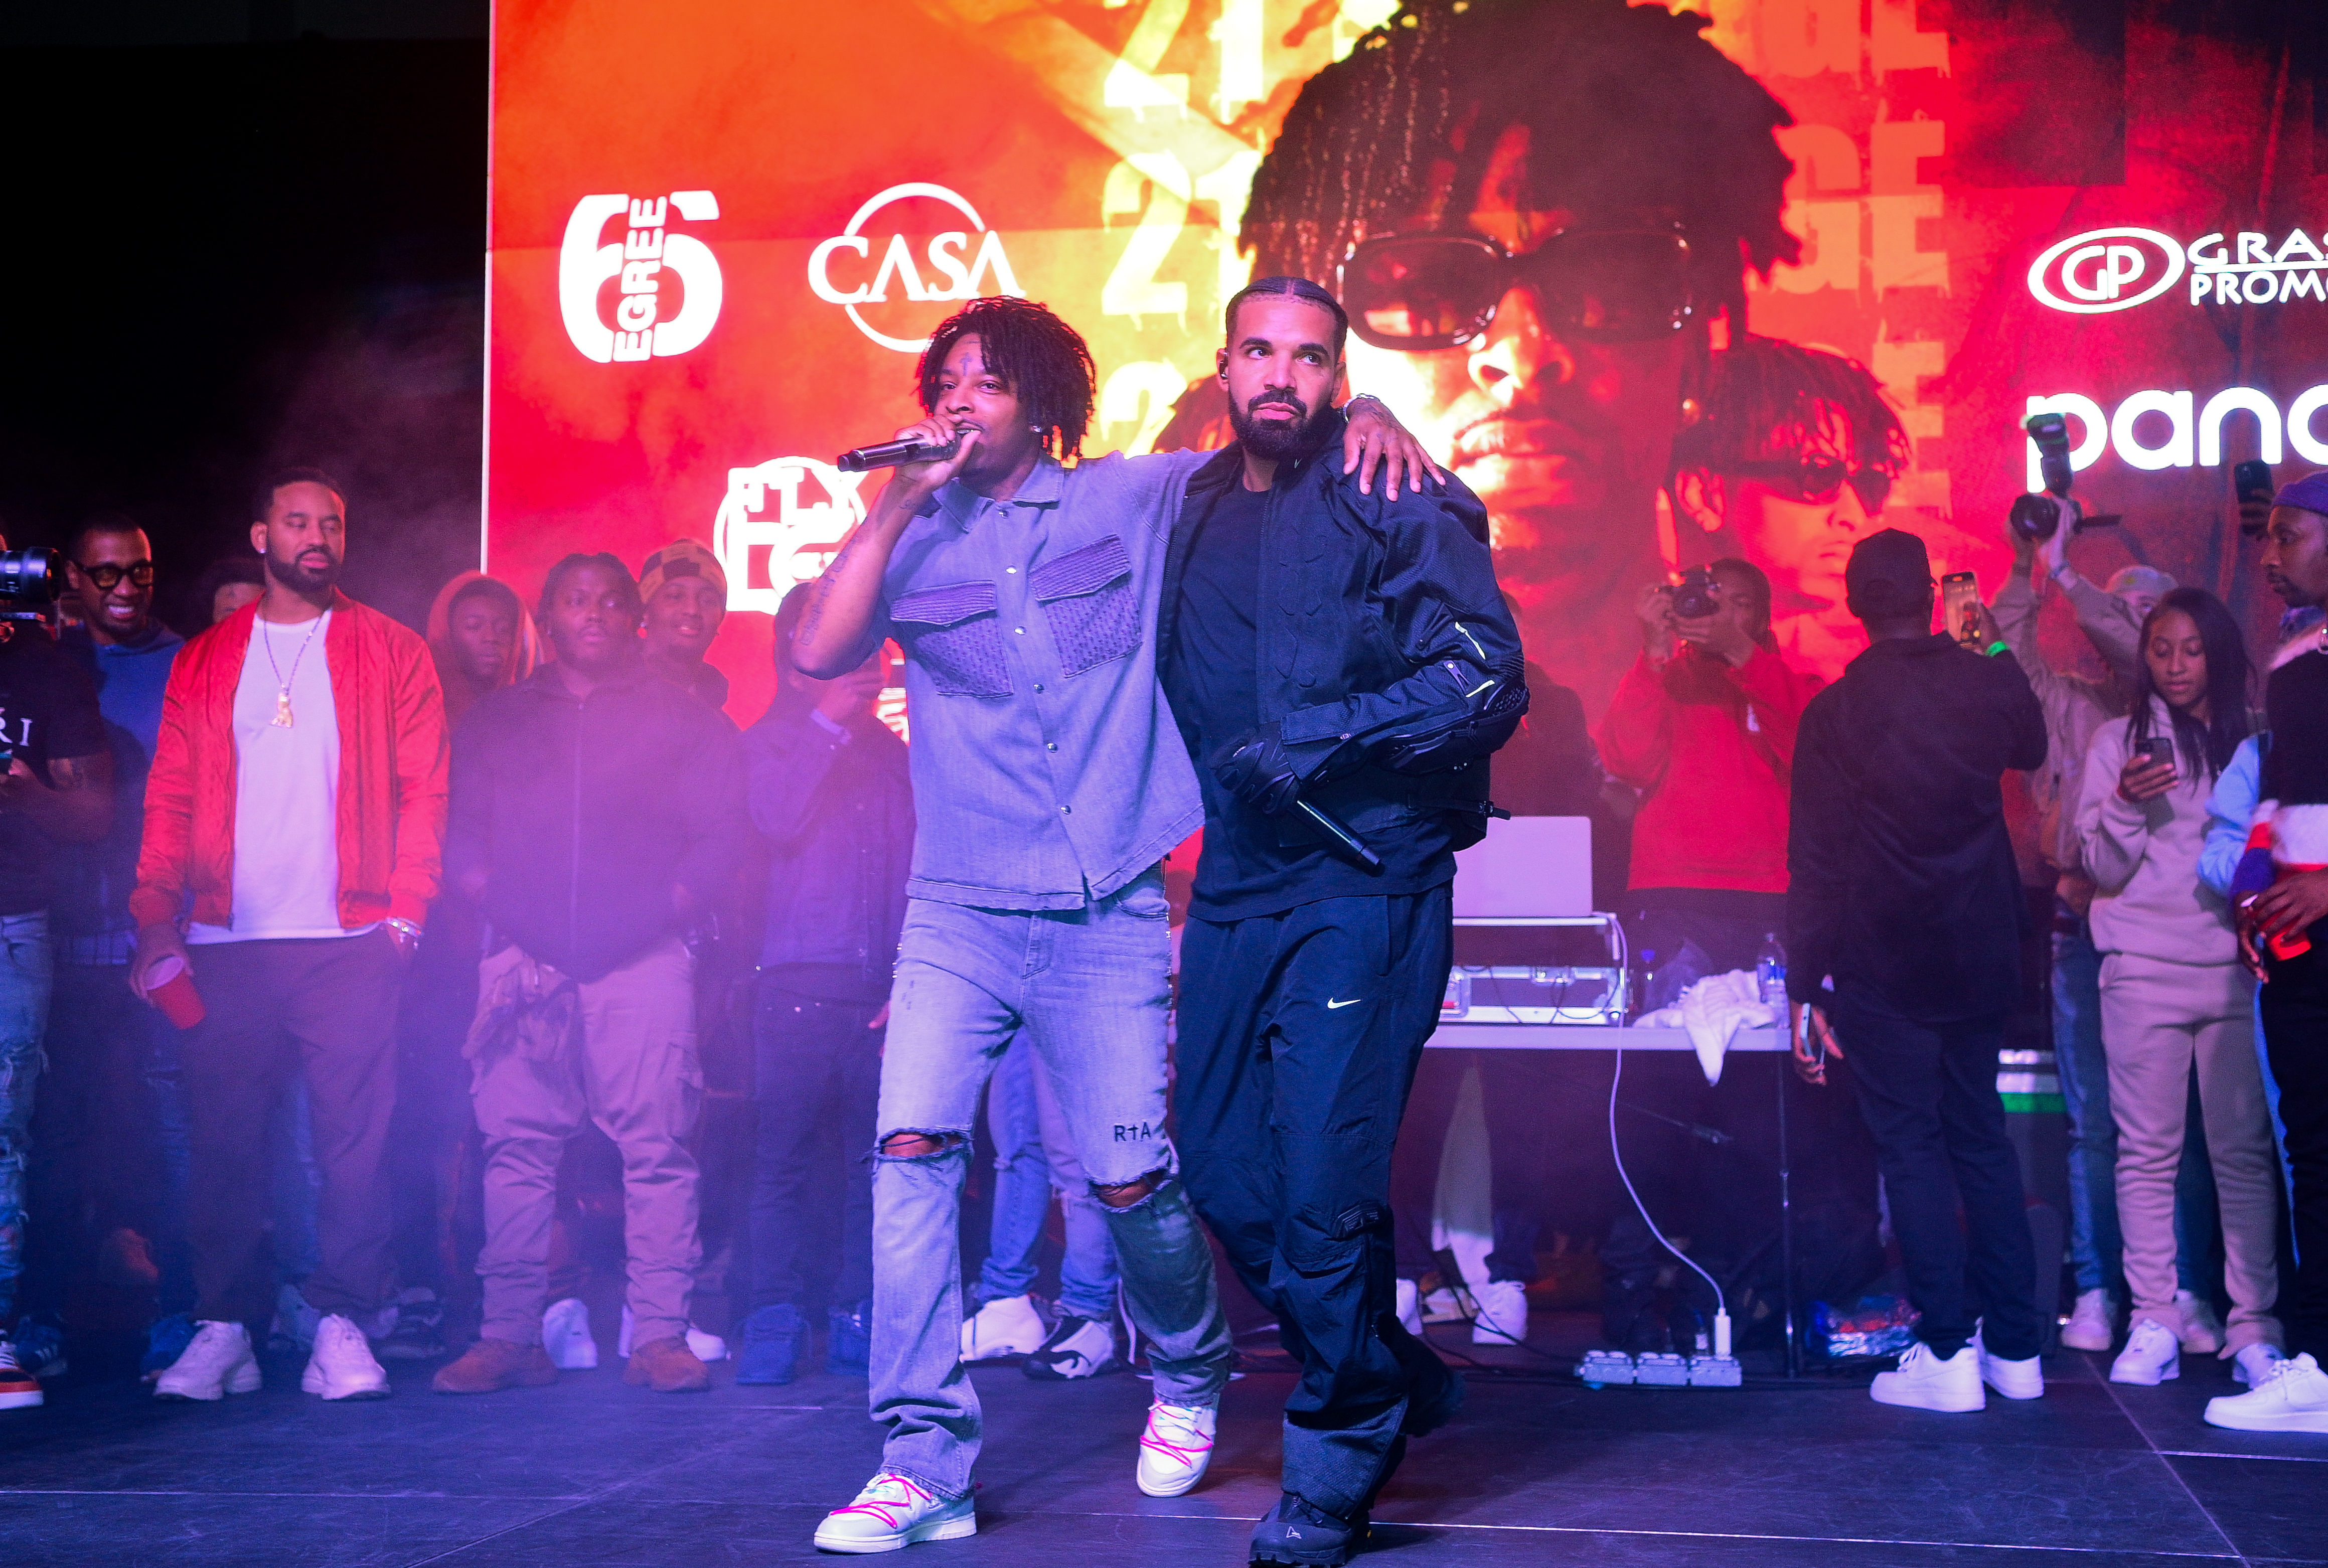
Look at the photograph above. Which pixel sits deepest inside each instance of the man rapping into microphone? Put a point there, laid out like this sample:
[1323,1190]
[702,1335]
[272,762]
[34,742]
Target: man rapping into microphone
[1348,650]
[1047,784]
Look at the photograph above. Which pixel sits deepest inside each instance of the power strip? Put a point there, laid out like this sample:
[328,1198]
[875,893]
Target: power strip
[1603,1368]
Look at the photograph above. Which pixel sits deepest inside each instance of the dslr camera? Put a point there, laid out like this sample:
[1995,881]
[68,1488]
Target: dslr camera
[2038,517]
[1694,599]
[31,582]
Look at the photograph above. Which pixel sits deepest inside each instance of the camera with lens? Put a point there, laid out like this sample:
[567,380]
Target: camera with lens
[31,581]
[2038,517]
[1695,600]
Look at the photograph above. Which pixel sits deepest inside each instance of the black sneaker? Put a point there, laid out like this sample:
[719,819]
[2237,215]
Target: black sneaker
[419,1331]
[1077,1347]
[1298,1532]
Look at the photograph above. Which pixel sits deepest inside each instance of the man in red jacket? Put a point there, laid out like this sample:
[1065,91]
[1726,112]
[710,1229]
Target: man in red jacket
[292,820]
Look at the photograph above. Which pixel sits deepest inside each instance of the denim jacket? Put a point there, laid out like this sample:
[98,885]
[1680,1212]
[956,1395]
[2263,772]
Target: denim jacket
[1047,773]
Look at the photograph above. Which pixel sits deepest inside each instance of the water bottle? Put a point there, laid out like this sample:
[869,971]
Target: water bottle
[1771,971]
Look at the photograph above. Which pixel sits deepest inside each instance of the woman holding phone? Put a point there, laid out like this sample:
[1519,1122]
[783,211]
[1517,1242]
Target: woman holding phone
[2173,994]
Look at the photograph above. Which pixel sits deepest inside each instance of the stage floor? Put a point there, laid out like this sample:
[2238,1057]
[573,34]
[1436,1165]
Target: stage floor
[1540,1472]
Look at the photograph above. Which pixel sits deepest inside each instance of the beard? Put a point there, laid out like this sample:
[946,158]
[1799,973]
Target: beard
[303,578]
[1277,440]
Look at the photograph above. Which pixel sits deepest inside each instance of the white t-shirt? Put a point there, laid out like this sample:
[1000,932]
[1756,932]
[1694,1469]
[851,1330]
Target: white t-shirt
[286,793]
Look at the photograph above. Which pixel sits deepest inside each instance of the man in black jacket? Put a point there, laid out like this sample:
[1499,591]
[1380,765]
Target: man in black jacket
[1904,897]
[1328,641]
[593,815]
[831,794]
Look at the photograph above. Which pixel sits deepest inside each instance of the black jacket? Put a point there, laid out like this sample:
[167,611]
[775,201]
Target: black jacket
[1903,885]
[837,815]
[583,814]
[1372,612]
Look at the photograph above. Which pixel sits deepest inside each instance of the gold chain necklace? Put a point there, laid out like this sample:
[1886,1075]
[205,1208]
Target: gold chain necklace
[282,719]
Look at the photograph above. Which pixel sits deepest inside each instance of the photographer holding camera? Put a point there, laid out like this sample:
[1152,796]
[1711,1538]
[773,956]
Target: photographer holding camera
[1703,725]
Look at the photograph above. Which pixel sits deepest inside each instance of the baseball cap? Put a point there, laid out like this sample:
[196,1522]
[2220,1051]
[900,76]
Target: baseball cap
[1888,574]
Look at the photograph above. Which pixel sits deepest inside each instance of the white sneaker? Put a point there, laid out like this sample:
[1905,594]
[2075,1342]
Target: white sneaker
[566,1334]
[1410,1307]
[2012,1379]
[2203,1331]
[1176,1448]
[2090,1324]
[341,1365]
[1077,1347]
[1925,1382]
[707,1347]
[1503,1314]
[894,1512]
[1008,1326]
[2294,1398]
[2252,1365]
[623,1335]
[2152,1356]
[215,1363]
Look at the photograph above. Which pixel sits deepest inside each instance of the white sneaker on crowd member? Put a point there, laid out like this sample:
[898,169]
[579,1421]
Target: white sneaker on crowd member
[566,1334]
[893,1512]
[1503,1314]
[1077,1347]
[2151,1356]
[1176,1447]
[2252,1365]
[1005,1326]
[2089,1327]
[705,1347]
[2203,1331]
[2014,1380]
[1926,1381]
[215,1363]
[2293,1397]
[341,1365]
[1410,1307]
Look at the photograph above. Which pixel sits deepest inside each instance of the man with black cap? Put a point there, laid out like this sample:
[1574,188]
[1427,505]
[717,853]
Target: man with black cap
[1904,923]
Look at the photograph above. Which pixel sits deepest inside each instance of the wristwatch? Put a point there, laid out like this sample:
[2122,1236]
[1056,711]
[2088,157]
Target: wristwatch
[402,927]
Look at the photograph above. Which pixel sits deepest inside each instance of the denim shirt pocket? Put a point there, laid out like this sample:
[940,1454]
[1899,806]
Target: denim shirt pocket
[1086,596]
[954,632]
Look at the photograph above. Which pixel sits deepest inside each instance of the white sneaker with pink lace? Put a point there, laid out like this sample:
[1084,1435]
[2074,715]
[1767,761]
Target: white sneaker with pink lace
[894,1512]
[1176,1448]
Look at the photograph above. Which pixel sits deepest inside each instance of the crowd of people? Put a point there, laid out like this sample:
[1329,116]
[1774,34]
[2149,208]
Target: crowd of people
[336,950]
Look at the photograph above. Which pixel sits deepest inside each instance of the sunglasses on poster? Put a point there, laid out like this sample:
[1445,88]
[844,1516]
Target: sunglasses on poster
[1418,293]
[109,577]
[1814,483]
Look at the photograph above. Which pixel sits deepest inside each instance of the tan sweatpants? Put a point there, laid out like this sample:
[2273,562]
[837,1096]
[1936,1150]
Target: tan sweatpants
[632,1068]
[2160,1019]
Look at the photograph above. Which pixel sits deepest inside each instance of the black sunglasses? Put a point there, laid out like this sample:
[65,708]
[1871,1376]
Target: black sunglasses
[109,577]
[1817,482]
[1422,292]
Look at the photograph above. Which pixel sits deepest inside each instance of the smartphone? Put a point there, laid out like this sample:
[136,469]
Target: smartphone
[2159,748]
[2251,481]
[1960,607]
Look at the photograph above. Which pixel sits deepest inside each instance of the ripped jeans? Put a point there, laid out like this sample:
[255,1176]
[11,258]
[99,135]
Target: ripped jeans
[26,974]
[1088,986]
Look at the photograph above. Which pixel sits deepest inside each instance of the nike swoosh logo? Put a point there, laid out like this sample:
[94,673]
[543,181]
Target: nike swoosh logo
[1331,1004]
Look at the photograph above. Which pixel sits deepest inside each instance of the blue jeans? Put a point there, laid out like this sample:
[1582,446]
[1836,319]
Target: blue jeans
[1088,988]
[2096,1247]
[26,974]
[1032,1155]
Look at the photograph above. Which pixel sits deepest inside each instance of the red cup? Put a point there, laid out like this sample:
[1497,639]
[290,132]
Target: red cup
[170,986]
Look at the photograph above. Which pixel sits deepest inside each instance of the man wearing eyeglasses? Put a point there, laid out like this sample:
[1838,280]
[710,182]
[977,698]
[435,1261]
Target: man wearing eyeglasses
[94,1173]
[1533,211]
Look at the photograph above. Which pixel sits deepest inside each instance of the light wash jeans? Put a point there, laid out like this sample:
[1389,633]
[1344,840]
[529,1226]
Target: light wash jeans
[1088,988]
[27,970]
[1032,1155]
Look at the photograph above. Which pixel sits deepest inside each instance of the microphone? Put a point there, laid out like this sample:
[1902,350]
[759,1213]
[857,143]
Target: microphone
[891,454]
[1349,842]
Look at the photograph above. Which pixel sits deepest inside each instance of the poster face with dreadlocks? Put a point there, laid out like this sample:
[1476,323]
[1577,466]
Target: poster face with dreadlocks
[1748,281]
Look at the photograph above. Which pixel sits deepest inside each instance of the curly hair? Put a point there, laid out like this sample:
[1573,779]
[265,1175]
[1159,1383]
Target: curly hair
[569,565]
[1764,397]
[1626,107]
[1039,357]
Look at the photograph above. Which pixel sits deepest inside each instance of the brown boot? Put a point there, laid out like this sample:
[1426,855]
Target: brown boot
[491,1364]
[667,1367]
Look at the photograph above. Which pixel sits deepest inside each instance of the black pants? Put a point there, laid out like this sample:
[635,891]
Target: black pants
[1515,1097]
[819,1087]
[1929,1091]
[2295,1037]
[1299,1038]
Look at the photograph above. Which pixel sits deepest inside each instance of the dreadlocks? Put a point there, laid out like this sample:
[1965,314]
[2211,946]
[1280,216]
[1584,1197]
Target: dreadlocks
[1626,106]
[1764,397]
[1037,356]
